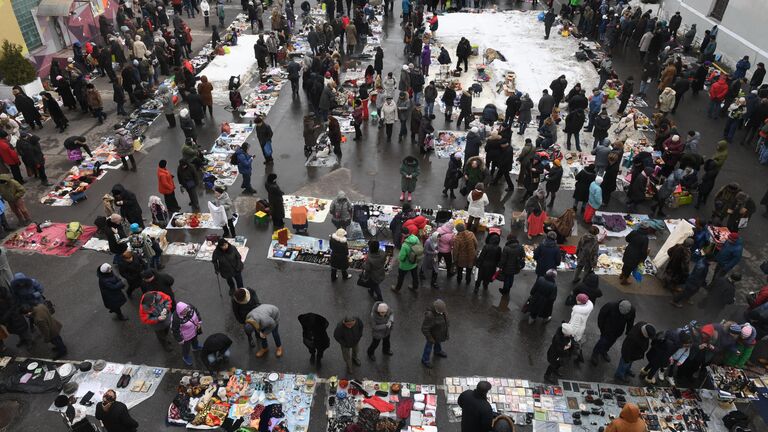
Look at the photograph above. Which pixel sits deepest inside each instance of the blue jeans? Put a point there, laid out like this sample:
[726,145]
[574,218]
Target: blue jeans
[416,98]
[246,181]
[591,116]
[429,108]
[428,350]
[275,336]
[714,109]
[508,281]
[644,86]
[731,124]
[623,369]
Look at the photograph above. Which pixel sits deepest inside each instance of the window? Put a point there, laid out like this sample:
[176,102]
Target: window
[23,11]
[718,10]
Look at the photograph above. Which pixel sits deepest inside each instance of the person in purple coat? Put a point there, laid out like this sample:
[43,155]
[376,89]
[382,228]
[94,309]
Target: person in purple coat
[426,59]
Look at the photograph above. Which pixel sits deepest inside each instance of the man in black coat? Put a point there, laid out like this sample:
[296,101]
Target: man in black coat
[635,253]
[513,106]
[27,107]
[613,320]
[558,86]
[348,333]
[245,300]
[314,333]
[275,198]
[549,20]
[633,348]
[154,280]
[476,412]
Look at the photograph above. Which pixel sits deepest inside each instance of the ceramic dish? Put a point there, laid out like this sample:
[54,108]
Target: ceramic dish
[273,376]
[32,366]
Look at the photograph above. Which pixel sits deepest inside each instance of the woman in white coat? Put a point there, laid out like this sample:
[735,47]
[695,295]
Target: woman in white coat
[579,317]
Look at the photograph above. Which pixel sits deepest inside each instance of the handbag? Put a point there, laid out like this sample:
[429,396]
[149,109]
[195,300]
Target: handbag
[571,299]
[364,281]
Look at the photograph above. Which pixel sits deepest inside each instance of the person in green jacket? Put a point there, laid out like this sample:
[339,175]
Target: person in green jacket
[408,261]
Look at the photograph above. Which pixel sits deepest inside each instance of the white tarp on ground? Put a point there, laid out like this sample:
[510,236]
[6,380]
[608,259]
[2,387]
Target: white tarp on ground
[519,36]
[240,61]
[682,231]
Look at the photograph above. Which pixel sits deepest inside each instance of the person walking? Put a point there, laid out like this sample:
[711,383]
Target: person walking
[10,157]
[166,96]
[389,116]
[560,348]
[476,412]
[511,263]
[586,254]
[314,332]
[228,263]
[130,265]
[95,103]
[464,252]
[13,193]
[547,254]
[111,288]
[114,415]
[382,319]
[434,327]
[155,311]
[275,198]
[449,98]
[542,297]
[49,328]
[488,261]
[633,348]
[244,165]
[205,91]
[549,20]
[262,321]
[244,300]
[186,325]
[374,269]
[189,180]
[167,187]
[124,147]
[411,253]
[264,135]
[339,255]
[635,253]
[578,322]
[348,333]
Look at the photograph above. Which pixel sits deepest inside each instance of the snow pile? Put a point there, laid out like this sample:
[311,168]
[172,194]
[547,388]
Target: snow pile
[240,61]
[518,36]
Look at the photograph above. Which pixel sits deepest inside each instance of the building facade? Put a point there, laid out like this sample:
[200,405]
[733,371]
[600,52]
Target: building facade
[741,28]
[47,28]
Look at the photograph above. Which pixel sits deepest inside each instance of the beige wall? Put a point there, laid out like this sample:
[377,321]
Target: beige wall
[9,28]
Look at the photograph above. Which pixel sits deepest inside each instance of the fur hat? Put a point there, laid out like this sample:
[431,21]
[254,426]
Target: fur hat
[439,306]
[242,296]
[105,268]
[625,307]
[341,233]
[382,307]
[552,235]
[582,298]
[649,331]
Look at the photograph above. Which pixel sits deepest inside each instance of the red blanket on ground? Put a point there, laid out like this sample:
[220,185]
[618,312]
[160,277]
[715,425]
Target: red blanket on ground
[52,241]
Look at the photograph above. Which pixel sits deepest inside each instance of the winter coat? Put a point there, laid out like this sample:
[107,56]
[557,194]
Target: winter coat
[445,238]
[579,317]
[409,167]
[123,143]
[341,211]
[349,337]
[547,255]
[667,76]
[381,326]
[729,255]
[351,33]
[489,257]
[477,206]
[241,310]
[265,318]
[27,107]
[196,109]
[542,296]
[477,414]
[389,113]
[474,174]
[339,253]
[574,121]
[275,198]
[546,104]
[429,261]
[403,258]
[453,174]
[8,154]
[584,178]
[526,105]
[635,344]
[185,321]
[612,323]
[227,263]
[595,196]
[111,288]
[435,326]
[512,258]
[601,126]
[465,103]
[587,251]
[130,208]
[629,420]
[636,250]
[403,108]
[205,90]
[589,286]
[464,249]
[314,331]
[374,266]
[718,90]
[10,189]
[165,181]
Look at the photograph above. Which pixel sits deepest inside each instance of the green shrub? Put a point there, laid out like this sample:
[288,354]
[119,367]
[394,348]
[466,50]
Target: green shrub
[14,68]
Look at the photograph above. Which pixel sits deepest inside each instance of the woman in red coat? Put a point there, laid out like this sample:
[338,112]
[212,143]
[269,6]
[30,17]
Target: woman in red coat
[167,187]
[9,157]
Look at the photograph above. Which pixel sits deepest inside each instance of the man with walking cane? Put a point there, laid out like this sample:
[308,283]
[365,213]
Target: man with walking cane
[228,263]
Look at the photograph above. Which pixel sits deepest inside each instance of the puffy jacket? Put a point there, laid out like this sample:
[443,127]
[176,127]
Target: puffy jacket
[435,326]
[729,255]
[155,309]
[547,256]
[405,263]
[264,318]
[718,90]
[445,238]
[26,290]
[595,196]
[629,420]
[579,317]
[512,258]
[123,142]
[464,249]
[184,322]
[381,326]
[228,262]
[7,153]
[111,288]
[165,181]
[349,337]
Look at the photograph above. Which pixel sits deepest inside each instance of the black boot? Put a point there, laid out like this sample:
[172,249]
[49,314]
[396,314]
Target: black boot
[312,358]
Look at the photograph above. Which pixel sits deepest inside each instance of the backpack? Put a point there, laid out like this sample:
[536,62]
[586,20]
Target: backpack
[417,251]
[73,231]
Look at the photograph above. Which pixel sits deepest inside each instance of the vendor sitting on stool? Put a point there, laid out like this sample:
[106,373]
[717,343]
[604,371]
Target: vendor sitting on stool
[216,350]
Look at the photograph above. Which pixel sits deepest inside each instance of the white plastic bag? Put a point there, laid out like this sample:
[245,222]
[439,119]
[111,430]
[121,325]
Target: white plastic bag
[218,214]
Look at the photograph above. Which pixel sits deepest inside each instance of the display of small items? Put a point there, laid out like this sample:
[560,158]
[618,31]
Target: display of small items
[243,398]
[381,406]
[677,410]
[730,379]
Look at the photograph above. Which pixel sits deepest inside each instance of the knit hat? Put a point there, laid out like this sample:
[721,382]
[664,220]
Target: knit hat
[460,227]
[552,235]
[242,296]
[483,387]
[135,228]
[474,129]
[649,331]
[382,307]
[458,155]
[675,138]
[439,306]
[582,298]
[746,331]
[557,162]
[733,236]
[734,329]
[105,268]
[644,225]
[480,186]
[625,307]
[405,67]
[599,180]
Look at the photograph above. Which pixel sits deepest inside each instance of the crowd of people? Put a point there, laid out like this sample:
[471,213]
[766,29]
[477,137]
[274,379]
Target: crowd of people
[158,47]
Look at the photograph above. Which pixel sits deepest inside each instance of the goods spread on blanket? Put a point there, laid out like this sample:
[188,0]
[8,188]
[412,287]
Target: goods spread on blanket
[311,250]
[317,208]
[381,406]
[205,251]
[609,260]
[588,405]
[263,400]
[620,224]
[181,220]
[229,142]
[134,384]
[51,240]
[153,231]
